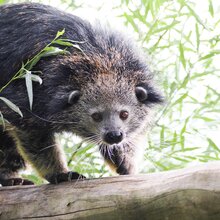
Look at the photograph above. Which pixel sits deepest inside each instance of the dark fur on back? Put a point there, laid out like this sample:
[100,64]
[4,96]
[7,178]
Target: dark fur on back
[105,74]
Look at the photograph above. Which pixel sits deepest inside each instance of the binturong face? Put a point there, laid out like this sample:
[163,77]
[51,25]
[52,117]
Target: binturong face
[116,110]
[111,101]
[112,107]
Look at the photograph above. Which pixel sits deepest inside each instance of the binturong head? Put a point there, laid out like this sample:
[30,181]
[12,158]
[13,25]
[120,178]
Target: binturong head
[115,103]
[111,97]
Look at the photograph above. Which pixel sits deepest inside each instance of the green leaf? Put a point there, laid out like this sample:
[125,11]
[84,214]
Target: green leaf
[11,106]
[162,136]
[179,100]
[131,21]
[60,33]
[53,51]
[36,78]
[182,57]
[160,165]
[198,19]
[211,54]
[190,157]
[182,142]
[183,130]
[180,159]
[174,141]
[189,149]
[206,119]
[165,28]
[185,82]
[63,43]
[30,64]
[211,10]
[213,145]
[29,86]
[78,47]
[70,41]
[197,37]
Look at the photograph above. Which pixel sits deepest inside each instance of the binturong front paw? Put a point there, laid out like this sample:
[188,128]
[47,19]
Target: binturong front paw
[126,168]
[64,177]
[122,166]
[15,182]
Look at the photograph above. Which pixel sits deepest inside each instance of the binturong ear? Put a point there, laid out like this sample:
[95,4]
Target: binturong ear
[63,100]
[148,95]
[141,93]
[73,97]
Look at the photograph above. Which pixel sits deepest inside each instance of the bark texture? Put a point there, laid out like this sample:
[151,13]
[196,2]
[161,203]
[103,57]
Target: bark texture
[187,194]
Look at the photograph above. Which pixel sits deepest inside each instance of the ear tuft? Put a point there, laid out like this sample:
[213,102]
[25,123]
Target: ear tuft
[73,97]
[141,93]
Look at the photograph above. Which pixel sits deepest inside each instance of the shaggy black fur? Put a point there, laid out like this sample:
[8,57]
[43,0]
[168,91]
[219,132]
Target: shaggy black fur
[105,76]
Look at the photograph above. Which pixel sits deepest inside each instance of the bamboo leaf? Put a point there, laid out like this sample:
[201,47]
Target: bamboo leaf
[30,65]
[194,14]
[131,21]
[166,27]
[53,51]
[60,33]
[190,149]
[185,81]
[183,130]
[174,141]
[213,145]
[70,41]
[182,57]
[11,106]
[179,100]
[197,37]
[63,43]
[29,86]
[162,136]
[78,47]
[206,119]
[36,78]
[180,159]
[211,10]
[211,54]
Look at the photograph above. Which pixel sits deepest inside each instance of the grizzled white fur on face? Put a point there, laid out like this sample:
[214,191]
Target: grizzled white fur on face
[115,112]
[114,107]
[111,105]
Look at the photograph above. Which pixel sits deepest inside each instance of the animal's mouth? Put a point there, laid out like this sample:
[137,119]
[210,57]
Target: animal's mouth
[112,146]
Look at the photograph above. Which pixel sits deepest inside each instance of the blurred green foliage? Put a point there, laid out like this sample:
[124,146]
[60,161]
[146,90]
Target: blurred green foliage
[181,39]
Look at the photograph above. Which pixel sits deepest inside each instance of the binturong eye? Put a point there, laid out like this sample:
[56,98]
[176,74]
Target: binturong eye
[141,93]
[73,97]
[97,117]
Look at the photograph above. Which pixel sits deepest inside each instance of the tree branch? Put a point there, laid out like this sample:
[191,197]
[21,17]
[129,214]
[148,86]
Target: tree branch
[187,194]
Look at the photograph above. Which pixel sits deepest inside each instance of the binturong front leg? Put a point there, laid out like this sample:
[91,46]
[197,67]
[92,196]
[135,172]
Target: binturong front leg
[40,149]
[122,158]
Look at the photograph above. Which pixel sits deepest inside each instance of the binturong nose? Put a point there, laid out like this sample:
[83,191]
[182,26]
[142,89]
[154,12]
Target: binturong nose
[113,137]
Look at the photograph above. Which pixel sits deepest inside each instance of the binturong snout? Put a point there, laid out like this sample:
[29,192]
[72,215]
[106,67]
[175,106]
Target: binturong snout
[113,137]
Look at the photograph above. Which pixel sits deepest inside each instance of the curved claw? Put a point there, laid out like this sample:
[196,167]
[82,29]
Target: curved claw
[65,177]
[15,182]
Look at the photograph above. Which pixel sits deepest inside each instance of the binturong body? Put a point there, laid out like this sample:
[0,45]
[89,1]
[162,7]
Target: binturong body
[105,94]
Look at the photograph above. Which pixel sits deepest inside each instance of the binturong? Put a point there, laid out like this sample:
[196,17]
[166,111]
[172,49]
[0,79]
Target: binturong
[104,93]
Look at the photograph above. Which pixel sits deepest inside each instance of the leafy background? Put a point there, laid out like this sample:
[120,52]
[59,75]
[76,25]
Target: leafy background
[181,40]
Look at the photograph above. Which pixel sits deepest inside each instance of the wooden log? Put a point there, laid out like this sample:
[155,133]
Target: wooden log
[187,194]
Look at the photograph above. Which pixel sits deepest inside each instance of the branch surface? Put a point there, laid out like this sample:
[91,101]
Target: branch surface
[187,194]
